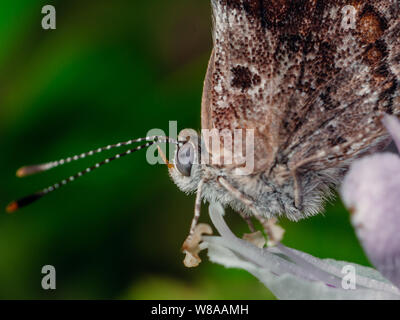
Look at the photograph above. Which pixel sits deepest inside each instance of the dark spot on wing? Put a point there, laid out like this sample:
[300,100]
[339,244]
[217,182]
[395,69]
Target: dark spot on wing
[371,25]
[376,52]
[243,78]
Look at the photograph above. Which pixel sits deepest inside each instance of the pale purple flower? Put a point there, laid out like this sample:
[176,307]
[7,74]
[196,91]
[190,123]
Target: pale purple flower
[371,191]
[292,274]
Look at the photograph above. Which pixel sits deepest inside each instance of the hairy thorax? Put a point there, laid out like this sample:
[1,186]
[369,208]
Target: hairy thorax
[271,195]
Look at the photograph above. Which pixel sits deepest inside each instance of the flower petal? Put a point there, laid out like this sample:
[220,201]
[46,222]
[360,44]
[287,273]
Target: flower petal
[371,190]
[291,274]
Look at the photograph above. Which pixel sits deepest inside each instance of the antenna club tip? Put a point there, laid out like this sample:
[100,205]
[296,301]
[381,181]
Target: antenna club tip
[22,172]
[12,207]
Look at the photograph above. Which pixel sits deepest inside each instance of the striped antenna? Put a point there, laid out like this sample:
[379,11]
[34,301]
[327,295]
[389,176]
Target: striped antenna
[16,205]
[33,169]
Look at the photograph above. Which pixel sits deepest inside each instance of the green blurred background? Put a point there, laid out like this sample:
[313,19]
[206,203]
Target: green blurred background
[113,70]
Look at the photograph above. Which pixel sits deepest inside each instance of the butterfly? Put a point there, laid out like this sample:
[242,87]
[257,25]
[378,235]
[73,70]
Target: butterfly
[309,79]
[312,79]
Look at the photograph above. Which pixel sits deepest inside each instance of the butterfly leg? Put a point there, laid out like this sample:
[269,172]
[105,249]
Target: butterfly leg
[297,189]
[273,231]
[284,174]
[237,194]
[248,221]
[190,246]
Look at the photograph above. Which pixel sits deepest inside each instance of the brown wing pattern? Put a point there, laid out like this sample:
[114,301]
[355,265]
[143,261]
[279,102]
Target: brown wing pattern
[307,75]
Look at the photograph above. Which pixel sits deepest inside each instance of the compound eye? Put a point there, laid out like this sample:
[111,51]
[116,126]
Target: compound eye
[185,158]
